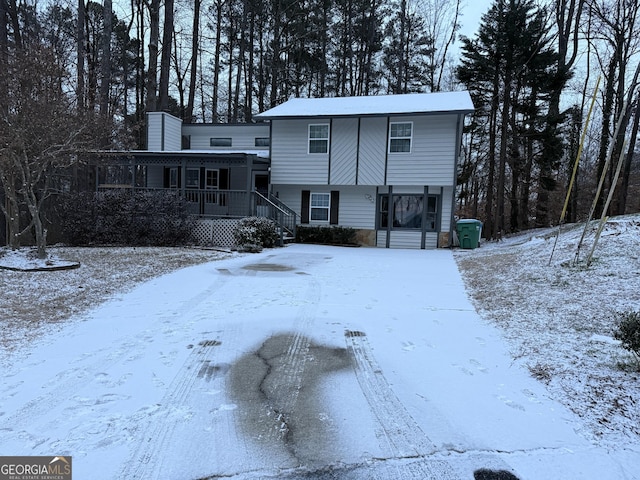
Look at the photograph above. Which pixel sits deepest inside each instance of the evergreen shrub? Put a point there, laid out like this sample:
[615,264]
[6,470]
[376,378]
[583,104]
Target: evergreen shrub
[124,217]
[252,234]
[628,331]
[326,235]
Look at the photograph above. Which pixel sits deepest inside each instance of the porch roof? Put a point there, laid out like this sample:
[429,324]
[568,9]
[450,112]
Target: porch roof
[200,153]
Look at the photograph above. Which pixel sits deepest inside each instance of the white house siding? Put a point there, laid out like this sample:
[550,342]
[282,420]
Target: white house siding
[154,131]
[406,239]
[290,161]
[164,132]
[243,137]
[446,203]
[357,207]
[344,151]
[372,151]
[433,146]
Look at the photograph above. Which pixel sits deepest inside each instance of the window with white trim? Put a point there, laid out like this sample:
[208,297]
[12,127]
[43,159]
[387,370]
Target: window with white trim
[400,136]
[319,207]
[319,138]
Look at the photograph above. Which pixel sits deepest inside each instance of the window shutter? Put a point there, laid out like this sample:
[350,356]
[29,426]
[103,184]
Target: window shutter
[306,199]
[335,201]
[223,179]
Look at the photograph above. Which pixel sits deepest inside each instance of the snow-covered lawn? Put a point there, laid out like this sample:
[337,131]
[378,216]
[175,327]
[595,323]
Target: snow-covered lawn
[558,316]
[326,362]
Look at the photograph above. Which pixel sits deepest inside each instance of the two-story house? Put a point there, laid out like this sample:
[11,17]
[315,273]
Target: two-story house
[383,165]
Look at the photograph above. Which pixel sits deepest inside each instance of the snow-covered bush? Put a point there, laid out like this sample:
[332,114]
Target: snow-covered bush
[628,331]
[254,233]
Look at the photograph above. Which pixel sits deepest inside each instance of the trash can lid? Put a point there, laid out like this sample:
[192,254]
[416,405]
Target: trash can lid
[469,220]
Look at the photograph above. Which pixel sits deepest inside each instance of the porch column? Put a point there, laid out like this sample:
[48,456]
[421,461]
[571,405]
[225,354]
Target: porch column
[248,161]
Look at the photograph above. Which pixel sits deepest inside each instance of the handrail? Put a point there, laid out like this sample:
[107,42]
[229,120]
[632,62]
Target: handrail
[273,204]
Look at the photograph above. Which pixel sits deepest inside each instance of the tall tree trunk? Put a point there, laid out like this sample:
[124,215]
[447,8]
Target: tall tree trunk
[568,14]
[403,41]
[624,186]
[80,47]
[165,60]
[605,132]
[216,62]
[195,48]
[12,10]
[249,80]
[154,38]
[105,64]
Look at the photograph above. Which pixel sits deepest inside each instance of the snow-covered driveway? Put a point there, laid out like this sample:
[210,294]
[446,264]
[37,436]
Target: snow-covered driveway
[301,362]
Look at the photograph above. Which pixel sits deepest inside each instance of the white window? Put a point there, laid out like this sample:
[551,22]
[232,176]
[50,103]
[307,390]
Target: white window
[319,138]
[400,137]
[319,207]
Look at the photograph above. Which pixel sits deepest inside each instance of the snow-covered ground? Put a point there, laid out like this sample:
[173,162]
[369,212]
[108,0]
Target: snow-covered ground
[326,362]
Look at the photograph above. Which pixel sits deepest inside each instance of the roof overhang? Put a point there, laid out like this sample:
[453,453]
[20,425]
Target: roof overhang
[380,105]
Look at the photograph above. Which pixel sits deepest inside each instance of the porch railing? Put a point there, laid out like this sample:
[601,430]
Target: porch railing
[271,207]
[209,203]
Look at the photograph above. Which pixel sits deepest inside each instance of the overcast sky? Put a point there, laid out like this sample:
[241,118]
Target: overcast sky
[472,13]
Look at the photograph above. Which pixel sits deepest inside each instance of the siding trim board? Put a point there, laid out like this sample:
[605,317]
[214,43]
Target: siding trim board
[162,132]
[358,151]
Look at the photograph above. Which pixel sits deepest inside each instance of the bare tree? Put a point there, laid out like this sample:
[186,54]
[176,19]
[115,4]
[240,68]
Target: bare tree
[442,22]
[41,133]
[165,60]
[105,64]
[154,39]
[195,50]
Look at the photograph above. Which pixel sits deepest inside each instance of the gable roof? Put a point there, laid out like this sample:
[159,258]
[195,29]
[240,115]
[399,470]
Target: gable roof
[406,104]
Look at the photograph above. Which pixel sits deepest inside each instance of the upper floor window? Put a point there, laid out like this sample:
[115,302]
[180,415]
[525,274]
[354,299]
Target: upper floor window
[262,142]
[319,138]
[220,142]
[400,135]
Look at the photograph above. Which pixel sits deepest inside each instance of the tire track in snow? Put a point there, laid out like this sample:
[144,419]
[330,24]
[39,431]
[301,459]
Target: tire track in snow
[68,382]
[399,435]
[407,444]
[289,378]
[173,407]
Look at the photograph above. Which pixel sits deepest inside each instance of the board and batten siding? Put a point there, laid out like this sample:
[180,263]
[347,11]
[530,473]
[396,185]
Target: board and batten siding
[372,151]
[406,239]
[164,132]
[243,137]
[344,151]
[357,208]
[432,157]
[291,162]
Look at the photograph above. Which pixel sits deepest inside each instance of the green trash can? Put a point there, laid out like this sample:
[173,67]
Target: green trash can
[469,232]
